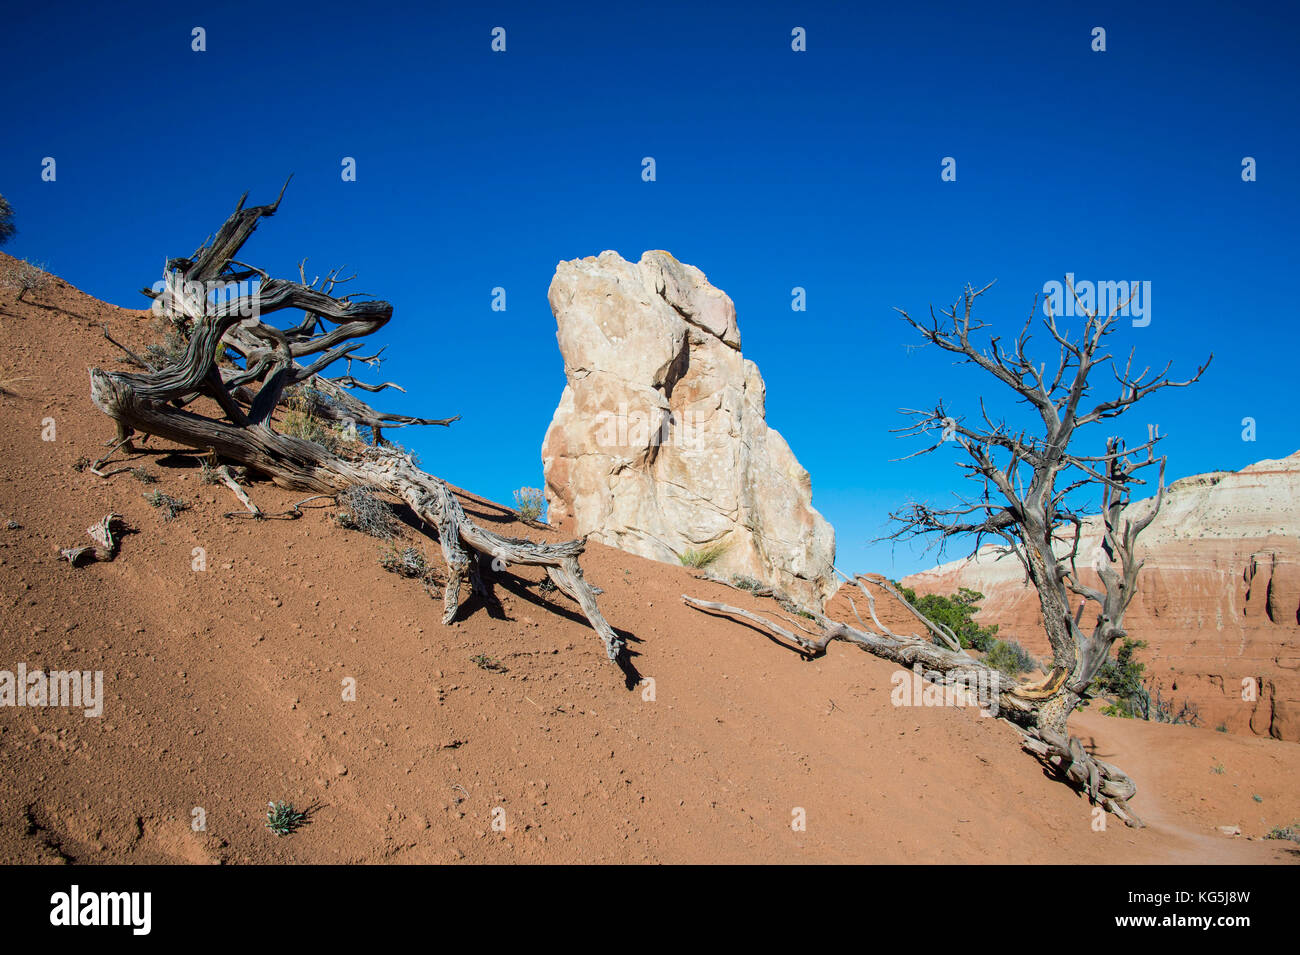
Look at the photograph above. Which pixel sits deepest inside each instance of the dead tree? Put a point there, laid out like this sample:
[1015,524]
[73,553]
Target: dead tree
[222,335]
[1032,494]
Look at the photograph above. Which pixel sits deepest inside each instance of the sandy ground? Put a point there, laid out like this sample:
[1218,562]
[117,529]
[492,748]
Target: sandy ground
[224,690]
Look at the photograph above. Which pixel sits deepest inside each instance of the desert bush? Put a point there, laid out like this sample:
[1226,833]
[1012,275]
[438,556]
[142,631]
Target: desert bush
[957,612]
[170,347]
[7,229]
[1290,833]
[170,506]
[530,503]
[704,556]
[23,277]
[407,562]
[1120,679]
[144,475]
[362,510]
[1009,657]
[745,582]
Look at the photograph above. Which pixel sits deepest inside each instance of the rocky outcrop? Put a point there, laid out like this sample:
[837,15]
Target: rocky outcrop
[1218,600]
[660,444]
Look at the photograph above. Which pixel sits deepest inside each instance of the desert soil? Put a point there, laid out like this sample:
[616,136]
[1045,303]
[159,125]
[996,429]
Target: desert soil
[224,690]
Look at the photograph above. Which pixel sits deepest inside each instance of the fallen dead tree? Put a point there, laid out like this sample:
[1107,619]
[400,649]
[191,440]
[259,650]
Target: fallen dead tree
[245,365]
[1030,489]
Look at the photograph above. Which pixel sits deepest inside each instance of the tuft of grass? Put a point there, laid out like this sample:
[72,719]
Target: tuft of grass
[1217,769]
[170,506]
[1221,728]
[282,818]
[530,503]
[208,472]
[363,510]
[704,556]
[144,475]
[485,662]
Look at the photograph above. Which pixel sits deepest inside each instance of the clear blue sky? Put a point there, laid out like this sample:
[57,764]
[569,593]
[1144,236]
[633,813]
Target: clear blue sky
[775,169]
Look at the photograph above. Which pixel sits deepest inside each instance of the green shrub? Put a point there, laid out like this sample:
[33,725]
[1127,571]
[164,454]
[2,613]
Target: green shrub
[957,612]
[1009,657]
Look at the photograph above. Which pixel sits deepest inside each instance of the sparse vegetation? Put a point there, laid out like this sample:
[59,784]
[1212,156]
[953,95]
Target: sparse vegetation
[1290,833]
[208,472]
[169,505]
[957,612]
[171,346]
[485,662]
[282,818]
[1221,728]
[363,510]
[530,503]
[144,475]
[1217,769]
[23,277]
[704,556]
[746,583]
[547,586]
[7,230]
[1009,657]
[1123,681]
[81,464]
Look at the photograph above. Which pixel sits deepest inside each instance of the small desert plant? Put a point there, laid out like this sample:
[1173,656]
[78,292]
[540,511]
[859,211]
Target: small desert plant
[283,819]
[208,473]
[23,277]
[1009,657]
[7,229]
[171,346]
[746,583]
[530,503]
[1291,832]
[546,585]
[1217,769]
[81,464]
[1221,728]
[362,510]
[407,562]
[144,475]
[485,662]
[170,506]
[704,556]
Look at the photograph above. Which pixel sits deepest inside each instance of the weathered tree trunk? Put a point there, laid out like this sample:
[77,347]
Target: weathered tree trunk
[153,402]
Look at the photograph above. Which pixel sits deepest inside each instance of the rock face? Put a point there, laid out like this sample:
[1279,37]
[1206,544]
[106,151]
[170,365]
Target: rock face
[660,445]
[1218,601]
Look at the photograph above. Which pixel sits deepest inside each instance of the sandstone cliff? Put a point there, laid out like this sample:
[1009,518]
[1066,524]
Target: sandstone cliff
[1218,601]
[660,444]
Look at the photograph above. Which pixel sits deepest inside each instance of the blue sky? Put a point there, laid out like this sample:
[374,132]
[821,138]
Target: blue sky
[775,169]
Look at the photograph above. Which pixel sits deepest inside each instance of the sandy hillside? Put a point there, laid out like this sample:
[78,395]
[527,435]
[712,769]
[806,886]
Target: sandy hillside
[223,691]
